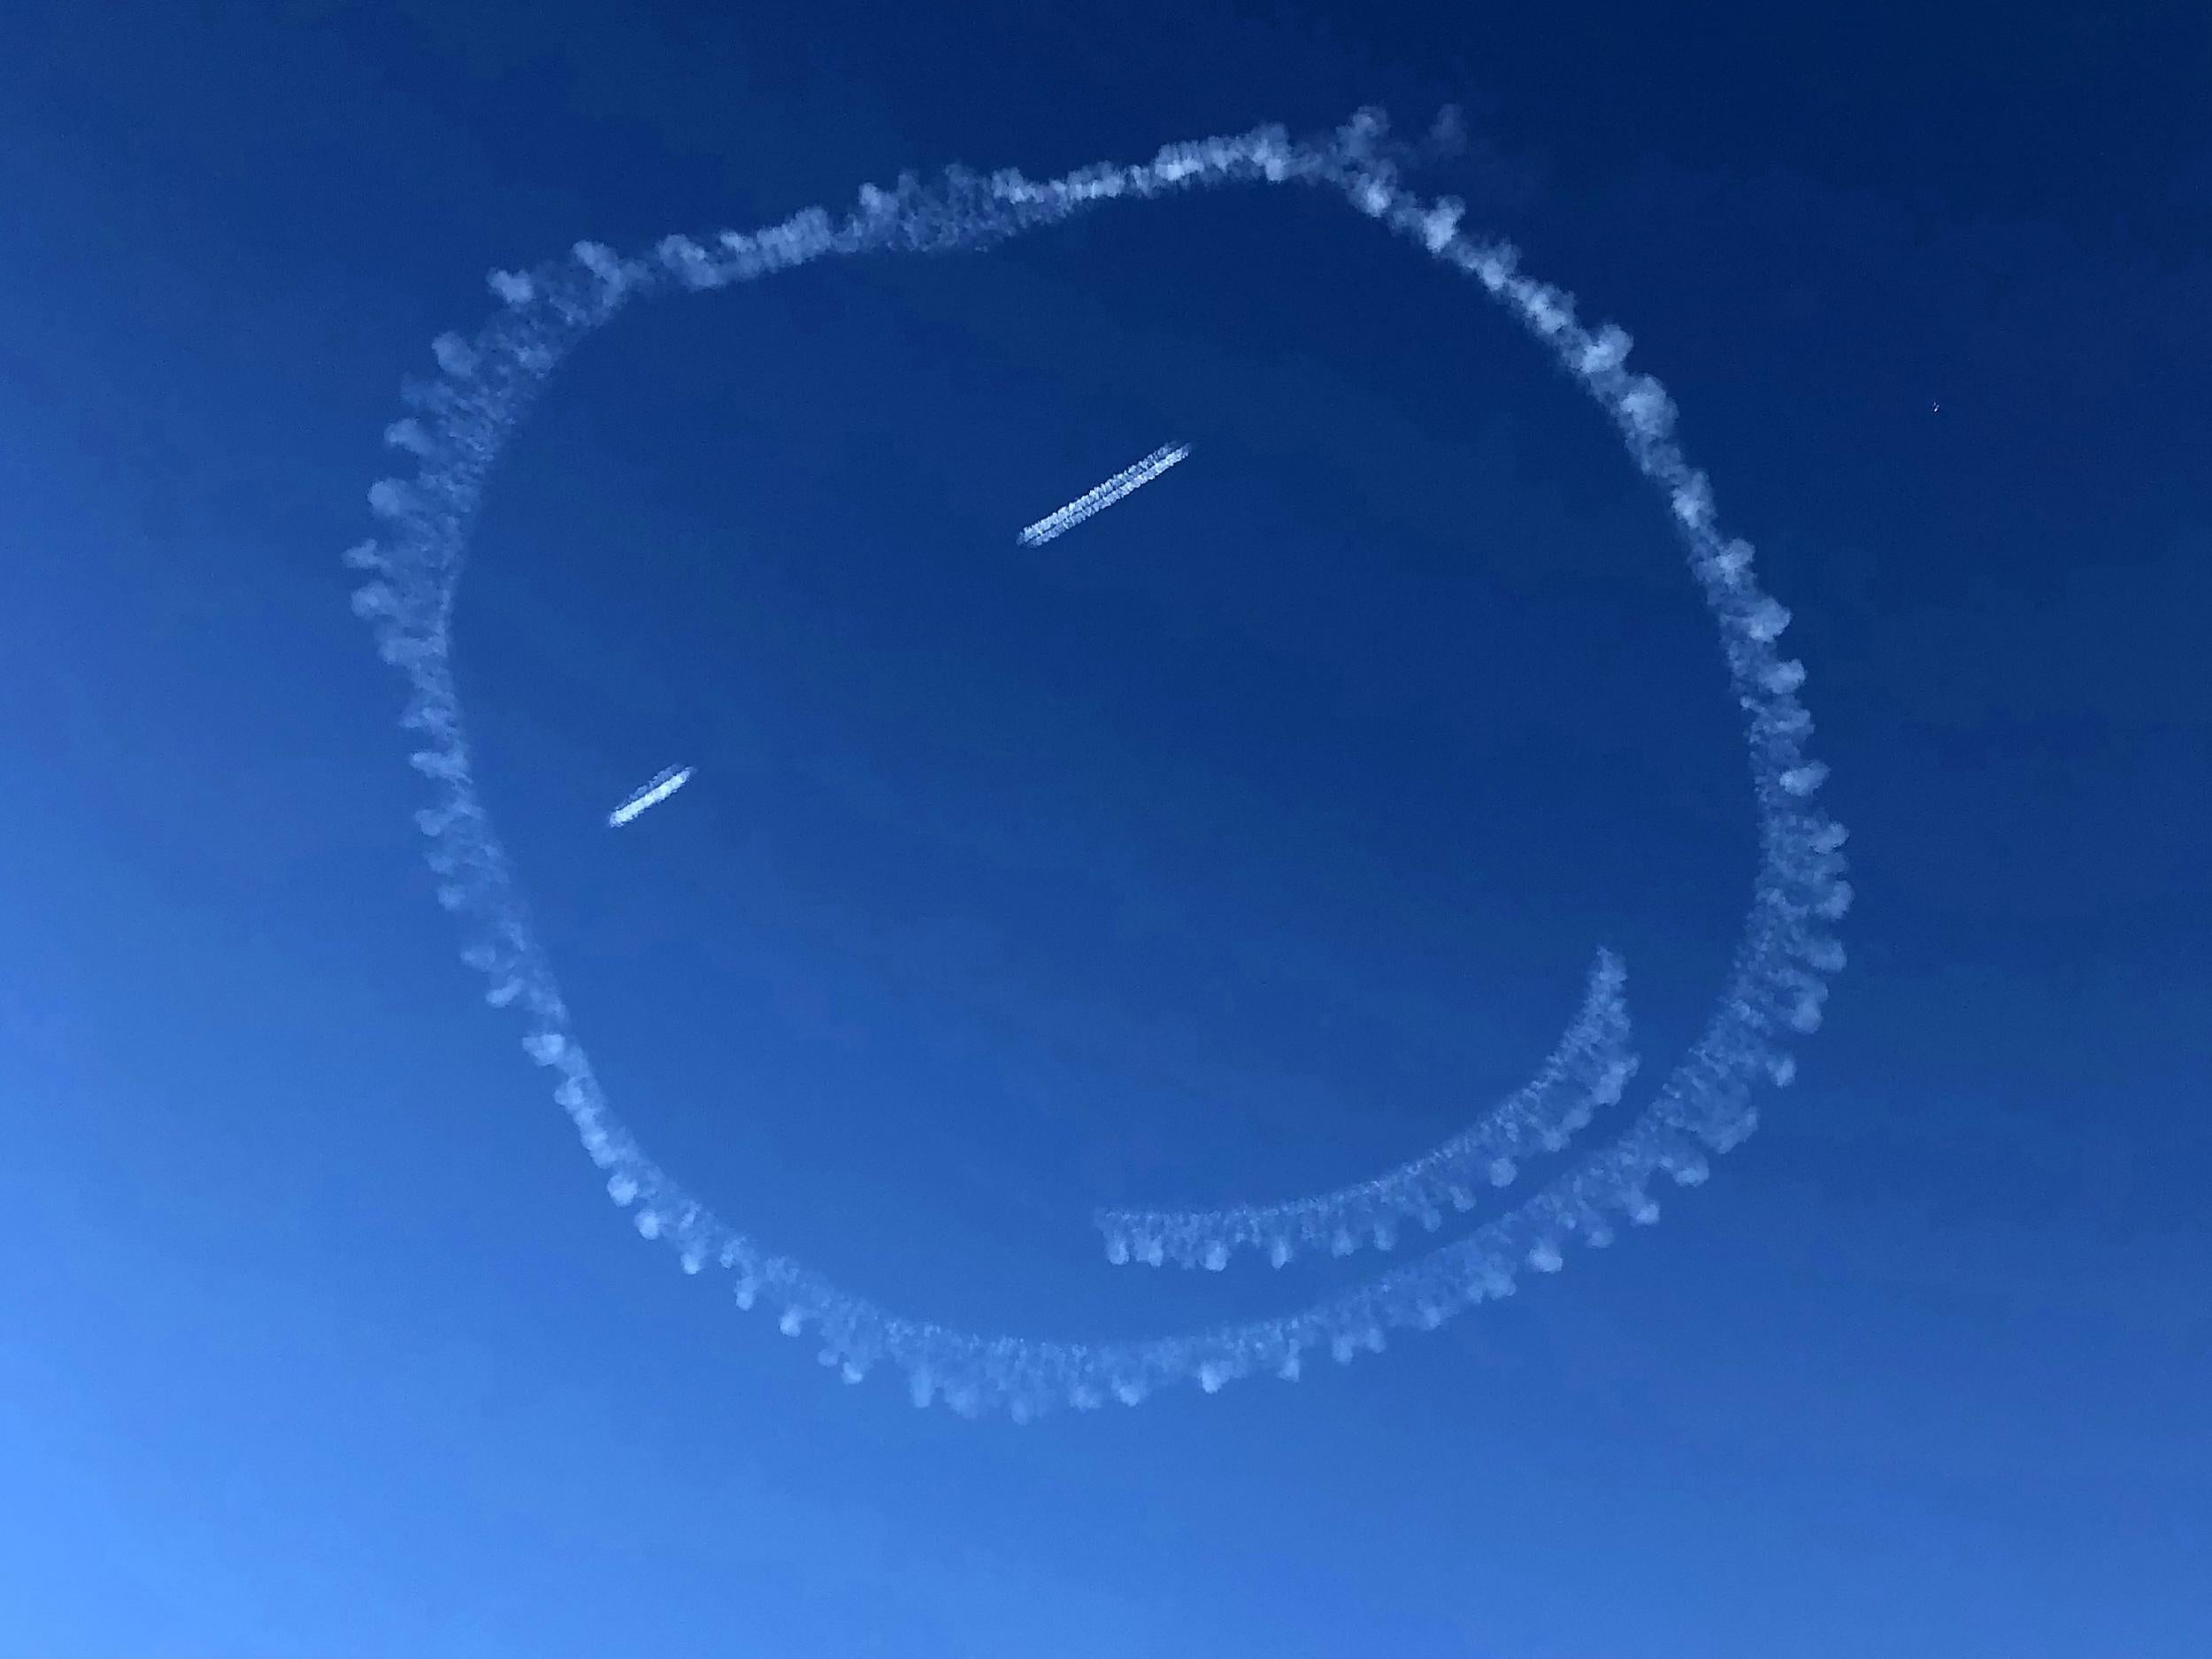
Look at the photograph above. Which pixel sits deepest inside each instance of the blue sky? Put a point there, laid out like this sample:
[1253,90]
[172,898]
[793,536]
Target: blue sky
[1226,848]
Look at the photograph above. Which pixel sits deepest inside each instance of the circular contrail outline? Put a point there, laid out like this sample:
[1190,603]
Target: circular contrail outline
[1775,985]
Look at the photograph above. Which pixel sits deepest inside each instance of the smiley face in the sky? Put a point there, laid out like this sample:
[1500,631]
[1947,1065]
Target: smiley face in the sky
[1772,989]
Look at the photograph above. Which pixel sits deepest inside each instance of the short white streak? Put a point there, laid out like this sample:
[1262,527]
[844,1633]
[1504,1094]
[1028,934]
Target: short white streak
[1091,503]
[651,796]
[1771,995]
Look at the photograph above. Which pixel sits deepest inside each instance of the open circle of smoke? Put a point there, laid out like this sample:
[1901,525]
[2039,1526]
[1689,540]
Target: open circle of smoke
[1772,994]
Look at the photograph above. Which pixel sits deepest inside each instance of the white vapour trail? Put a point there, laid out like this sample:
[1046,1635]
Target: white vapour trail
[1773,990]
[663,785]
[1091,503]
[1589,1069]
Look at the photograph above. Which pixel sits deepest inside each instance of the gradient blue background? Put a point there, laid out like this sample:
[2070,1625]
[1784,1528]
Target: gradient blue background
[1229,846]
